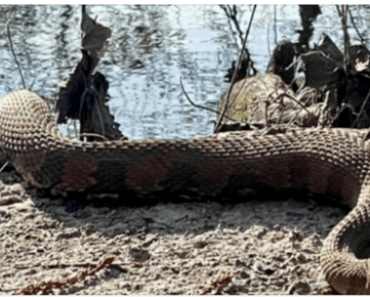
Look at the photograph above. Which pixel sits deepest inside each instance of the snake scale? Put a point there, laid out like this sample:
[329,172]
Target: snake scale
[324,161]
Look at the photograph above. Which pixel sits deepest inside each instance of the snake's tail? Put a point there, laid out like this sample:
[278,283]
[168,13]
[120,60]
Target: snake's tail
[345,254]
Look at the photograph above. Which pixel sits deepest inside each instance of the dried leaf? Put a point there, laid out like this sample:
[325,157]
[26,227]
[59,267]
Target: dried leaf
[94,36]
[318,69]
[84,95]
[329,49]
[86,103]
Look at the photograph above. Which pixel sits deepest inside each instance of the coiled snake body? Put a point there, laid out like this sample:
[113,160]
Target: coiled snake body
[325,161]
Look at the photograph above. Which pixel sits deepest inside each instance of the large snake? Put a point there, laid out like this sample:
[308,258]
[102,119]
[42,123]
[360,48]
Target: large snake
[324,161]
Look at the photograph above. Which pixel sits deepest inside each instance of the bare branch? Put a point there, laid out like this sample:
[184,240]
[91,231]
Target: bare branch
[33,82]
[340,110]
[218,124]
[231,14]
[199,106]
[354,26]
[281,103]
[8,20]
[338,10]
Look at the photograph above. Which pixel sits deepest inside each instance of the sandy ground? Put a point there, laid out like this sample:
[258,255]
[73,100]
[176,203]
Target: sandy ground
[64,246]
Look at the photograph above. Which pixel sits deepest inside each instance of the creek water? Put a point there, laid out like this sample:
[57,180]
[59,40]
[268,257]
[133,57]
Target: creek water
[151,47]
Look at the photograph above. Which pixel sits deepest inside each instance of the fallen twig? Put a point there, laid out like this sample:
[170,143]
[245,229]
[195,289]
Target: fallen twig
[222,279]
[219,120]
[286,95]
[296,101]
[8,20]
[46,287]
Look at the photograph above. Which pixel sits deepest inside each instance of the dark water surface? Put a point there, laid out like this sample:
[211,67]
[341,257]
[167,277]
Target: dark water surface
[150,49]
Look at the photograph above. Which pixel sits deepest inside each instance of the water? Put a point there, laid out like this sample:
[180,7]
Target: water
[150,49]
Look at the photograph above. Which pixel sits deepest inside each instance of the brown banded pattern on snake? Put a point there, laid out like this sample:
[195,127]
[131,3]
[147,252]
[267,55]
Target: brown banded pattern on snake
[324,161]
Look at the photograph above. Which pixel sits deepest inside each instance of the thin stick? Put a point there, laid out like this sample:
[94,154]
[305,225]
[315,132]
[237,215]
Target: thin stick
[281,101]
[8,20]
[354,26]
[299,103]
[296,101]
[229,22]
[33,82]
[325,120]
[94,135]
[281,96]
[338,112]
[268,40]
[2,168]
[199,106]
[219,120]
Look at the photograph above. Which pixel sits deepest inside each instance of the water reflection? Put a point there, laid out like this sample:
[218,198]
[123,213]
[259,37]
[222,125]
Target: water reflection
[152,46]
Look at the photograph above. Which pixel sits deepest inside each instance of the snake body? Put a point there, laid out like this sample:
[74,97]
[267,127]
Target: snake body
[324,161]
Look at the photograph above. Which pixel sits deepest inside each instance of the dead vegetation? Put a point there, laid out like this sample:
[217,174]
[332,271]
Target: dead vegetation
[64,281]
[334,91]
